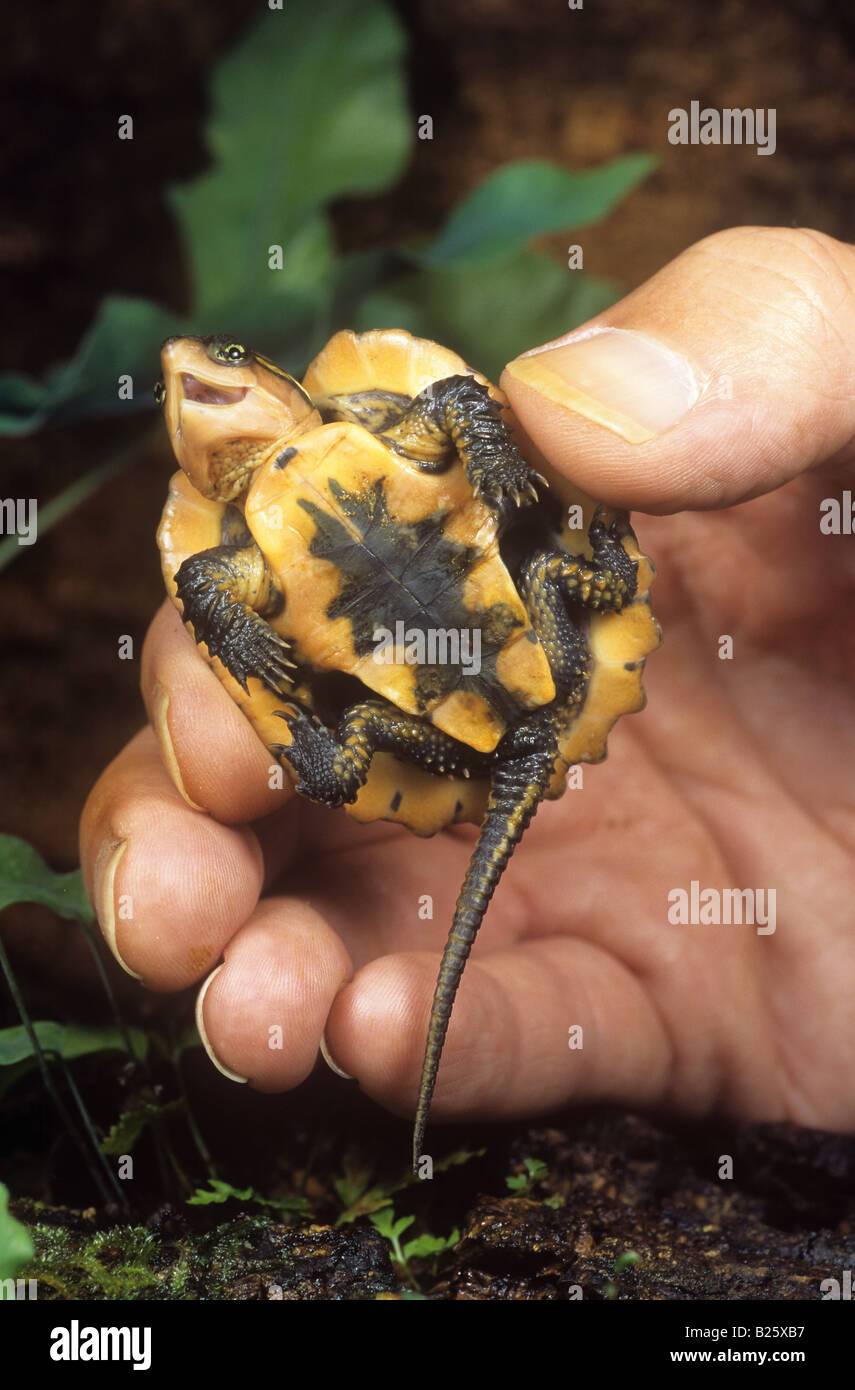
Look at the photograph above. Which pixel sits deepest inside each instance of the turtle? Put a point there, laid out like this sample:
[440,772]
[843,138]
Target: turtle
[419,626]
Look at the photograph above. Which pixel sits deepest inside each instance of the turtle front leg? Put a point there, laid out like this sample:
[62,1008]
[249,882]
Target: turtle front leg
[227,593]
[332,768]
[458,413]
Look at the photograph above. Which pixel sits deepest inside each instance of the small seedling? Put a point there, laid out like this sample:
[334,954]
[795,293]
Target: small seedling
[629,1257]
[523,1185]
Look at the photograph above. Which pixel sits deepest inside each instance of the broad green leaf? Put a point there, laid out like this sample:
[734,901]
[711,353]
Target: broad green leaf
[26,878]
[308,107]
[16,1247]
[123,339]
[490,314]
[526,199]
[69,1040]
[288,315]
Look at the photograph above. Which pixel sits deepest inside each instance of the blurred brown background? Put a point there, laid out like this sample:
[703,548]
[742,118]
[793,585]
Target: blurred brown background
[83,215]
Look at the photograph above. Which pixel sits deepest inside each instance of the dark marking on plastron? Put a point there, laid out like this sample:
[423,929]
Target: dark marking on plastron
[411,572]
[283,459]
[396,801]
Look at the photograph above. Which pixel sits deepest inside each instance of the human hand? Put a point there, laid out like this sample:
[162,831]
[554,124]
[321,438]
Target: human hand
[735,776]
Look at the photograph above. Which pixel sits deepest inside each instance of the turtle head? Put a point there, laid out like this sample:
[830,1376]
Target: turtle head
[225,408]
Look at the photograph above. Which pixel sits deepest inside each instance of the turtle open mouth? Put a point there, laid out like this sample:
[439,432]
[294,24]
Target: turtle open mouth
[195,390]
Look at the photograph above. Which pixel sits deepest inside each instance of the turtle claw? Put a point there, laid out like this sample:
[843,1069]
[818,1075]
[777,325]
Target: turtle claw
[272,662]
[517,487]
[311,756]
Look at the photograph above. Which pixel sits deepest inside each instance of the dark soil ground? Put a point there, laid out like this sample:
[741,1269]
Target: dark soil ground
[503,80]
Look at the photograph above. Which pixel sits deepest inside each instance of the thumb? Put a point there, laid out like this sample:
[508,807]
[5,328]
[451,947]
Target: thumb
[728,373]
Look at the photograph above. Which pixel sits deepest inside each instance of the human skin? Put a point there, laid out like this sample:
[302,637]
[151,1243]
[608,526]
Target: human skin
[738,773]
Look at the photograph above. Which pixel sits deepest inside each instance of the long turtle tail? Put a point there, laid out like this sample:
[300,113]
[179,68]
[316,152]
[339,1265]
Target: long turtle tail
[518,784]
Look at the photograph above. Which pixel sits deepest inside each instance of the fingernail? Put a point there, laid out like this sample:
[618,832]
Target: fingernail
[333,1066]
[625,381]
[105,897]
[200,1024]
[160,708]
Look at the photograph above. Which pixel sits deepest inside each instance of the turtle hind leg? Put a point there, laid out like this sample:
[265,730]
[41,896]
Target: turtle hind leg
[227,593]
[331,768]
[550,577]
[458,413]
[523,766]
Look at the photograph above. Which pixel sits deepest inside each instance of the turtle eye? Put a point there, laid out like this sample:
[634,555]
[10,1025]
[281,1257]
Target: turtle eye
[227,350]
[159,393]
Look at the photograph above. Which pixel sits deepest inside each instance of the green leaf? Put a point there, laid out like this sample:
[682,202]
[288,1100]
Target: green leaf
[133,1122]
[68,1040]
[629,1257]
[490,314]
[519,201]
[218,1191]
[16,1247]
[26,878]
[536,1171]
[388,1226]
[308,107]
[123,339]
[373,1200]
[430,1245]
[286,315]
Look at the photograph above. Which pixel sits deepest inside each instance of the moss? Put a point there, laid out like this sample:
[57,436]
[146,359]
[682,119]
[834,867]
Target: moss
[118,1263]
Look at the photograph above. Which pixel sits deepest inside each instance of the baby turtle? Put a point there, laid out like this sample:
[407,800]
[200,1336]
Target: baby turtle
[417,626]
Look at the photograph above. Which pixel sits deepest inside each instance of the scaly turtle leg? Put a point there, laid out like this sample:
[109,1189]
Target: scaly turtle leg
[453,417]
[228,592]
[332,767]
